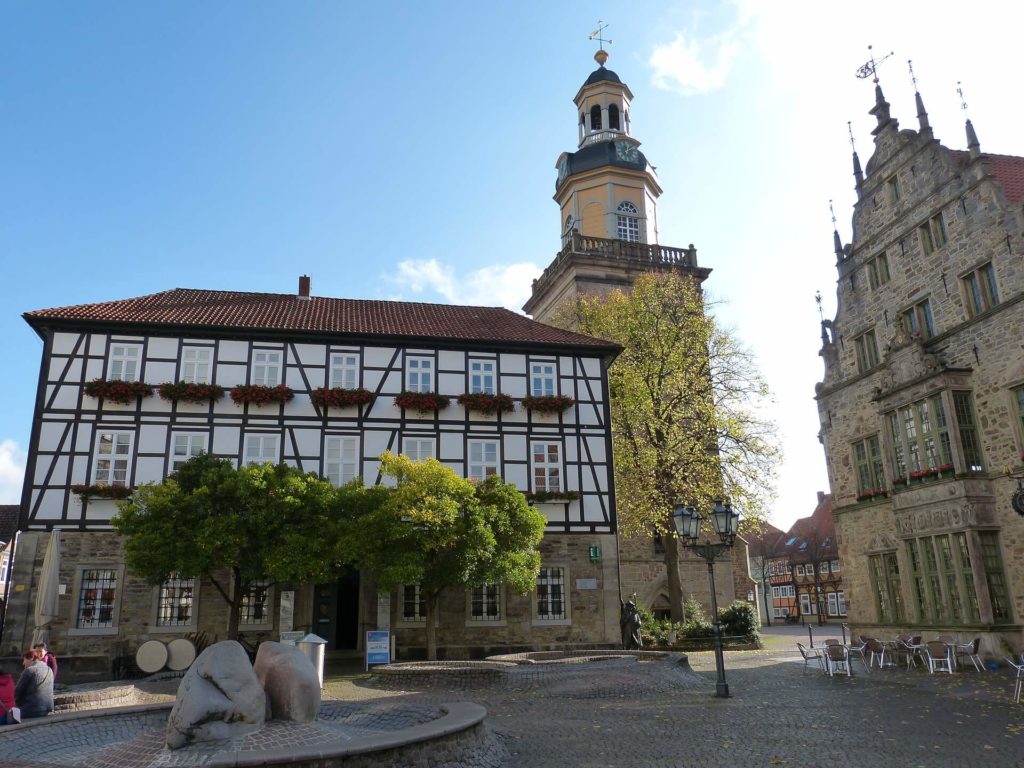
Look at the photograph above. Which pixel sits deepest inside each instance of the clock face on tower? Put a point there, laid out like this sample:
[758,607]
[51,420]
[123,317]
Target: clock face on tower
[563,169]
[626,151]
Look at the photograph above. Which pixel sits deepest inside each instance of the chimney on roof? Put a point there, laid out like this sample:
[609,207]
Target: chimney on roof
[821,497]
[304,285]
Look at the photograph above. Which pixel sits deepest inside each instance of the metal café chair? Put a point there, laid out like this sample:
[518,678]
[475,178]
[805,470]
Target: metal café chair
[878,651]
[1018,682]
[908,649]
[812,655]
[970,650]
[939,656]
[857,650]
[837,660]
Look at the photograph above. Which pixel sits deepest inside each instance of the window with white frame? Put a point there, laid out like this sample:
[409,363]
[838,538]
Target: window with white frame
[835,566]
[419,374]
[485,603]
[833,603]
[775,592]
[96,598]
[547,467]
[341,458]
[841,598]
[125,362]
[414,603]
[542,379]
[185,445]
[5,559]
[628,222]
[551,594]
[113,458]
[174,603]
[805,604]
[823,568]
[345,370]
[483,459]
[266,368]
[195,365]
[790,591]
[260,449]
[418,448]
[481,376]
[255,607]
[799,570]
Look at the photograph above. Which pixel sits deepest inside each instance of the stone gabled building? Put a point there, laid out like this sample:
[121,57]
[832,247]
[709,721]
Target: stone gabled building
[86,447]
[922,400]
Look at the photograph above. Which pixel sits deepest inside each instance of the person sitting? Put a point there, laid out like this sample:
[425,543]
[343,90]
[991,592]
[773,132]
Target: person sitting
[48,658]
[6,696]
[34,691]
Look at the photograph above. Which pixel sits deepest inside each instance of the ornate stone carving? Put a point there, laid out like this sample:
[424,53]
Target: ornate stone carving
[919,521]
[882,542]
[905,361]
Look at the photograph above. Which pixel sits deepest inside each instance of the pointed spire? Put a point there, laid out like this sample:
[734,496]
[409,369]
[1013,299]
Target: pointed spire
[858,174]
[973,145]
[836,241]
[880,111]
[922,115]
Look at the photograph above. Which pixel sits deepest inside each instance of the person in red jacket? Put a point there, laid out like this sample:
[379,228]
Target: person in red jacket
[46,657]
[6,695]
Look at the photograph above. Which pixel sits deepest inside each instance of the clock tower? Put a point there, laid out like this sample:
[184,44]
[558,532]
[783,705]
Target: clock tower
[607,194]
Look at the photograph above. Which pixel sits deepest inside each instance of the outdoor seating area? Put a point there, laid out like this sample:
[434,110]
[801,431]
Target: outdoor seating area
[944,653]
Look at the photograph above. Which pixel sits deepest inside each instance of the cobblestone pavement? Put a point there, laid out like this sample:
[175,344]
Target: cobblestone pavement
[621,713]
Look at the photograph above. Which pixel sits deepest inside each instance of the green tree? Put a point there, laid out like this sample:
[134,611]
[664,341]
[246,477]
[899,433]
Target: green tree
[686,398]
[439,530]
[234,527]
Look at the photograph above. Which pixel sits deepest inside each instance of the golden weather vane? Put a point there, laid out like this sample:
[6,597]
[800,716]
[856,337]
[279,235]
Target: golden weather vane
[598,34]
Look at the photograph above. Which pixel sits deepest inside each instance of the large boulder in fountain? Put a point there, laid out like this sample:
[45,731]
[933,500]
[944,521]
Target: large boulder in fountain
[218,698]
[290,681]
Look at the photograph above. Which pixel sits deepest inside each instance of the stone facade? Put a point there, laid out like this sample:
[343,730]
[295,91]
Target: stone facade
[921,402]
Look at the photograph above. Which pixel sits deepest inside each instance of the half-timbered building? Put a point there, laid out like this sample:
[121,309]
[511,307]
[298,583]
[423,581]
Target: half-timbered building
[103,425]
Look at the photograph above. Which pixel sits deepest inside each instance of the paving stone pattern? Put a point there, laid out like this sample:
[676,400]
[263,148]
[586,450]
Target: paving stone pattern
[619,712]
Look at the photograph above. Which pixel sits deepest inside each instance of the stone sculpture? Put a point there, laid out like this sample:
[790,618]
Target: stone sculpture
[290,681]
[218,698]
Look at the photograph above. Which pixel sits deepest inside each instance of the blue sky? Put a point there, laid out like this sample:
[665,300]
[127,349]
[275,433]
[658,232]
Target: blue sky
[406,150]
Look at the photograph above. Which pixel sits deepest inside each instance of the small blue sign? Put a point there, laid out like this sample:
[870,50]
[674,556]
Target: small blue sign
[378,647]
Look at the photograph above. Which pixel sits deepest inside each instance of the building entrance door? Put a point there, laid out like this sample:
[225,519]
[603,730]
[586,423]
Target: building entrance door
[336,611]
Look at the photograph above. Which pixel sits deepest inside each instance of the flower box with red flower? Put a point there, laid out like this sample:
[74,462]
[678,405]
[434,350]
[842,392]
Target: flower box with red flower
[117,391]
[102,491]
[187,392]
[944,468]
[548,403]
[339,397]
[486,403]
[865,495]
[256,394]
[548,497]
[423,402]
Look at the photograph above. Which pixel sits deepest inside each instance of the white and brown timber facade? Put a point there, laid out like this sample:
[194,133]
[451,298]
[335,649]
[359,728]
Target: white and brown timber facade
[305,342]
[922,400]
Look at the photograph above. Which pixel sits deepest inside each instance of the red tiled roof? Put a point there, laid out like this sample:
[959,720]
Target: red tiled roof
[1008,170]
[184,307]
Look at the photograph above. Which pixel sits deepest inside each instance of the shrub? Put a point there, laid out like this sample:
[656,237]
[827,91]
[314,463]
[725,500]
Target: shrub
[740,620]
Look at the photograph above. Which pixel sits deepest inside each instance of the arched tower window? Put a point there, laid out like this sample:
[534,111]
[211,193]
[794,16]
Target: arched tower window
[628,219]
[595,118]
[567,231]
[613,117]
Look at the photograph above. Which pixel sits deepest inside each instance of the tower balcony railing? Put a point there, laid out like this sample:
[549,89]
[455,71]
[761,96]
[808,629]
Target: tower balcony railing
[639,255]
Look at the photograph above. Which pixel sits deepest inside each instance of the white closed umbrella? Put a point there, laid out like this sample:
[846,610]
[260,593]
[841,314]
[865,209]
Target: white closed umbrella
[46,592]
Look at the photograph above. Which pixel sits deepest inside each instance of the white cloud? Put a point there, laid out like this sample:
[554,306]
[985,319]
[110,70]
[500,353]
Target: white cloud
[12,472]
[506,286]
[689,65]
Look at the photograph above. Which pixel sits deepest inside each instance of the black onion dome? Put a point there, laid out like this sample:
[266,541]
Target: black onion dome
[601,74]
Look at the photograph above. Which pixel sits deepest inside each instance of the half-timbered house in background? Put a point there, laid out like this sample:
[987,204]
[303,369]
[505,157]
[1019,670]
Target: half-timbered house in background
[82,445]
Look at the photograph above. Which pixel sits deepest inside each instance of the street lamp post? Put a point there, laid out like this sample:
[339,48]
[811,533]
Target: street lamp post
[726,523]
